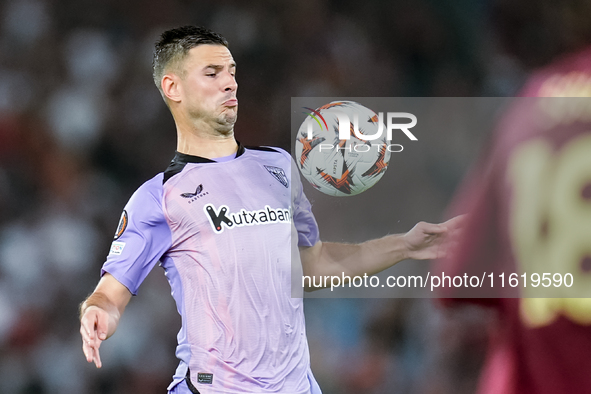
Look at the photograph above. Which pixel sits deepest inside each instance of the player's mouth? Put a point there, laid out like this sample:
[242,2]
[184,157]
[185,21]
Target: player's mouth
[231,102]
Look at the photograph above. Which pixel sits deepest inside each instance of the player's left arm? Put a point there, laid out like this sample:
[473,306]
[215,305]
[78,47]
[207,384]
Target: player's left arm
[423,242]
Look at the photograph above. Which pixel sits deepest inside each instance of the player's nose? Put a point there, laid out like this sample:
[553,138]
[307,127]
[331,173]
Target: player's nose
[230,84]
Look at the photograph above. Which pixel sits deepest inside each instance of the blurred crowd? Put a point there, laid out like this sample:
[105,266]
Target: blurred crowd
[82,126]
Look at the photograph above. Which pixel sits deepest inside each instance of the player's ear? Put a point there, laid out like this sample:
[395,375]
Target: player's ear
[171,87]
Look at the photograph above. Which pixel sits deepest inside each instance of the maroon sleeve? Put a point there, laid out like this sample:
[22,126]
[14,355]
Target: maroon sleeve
[478,249]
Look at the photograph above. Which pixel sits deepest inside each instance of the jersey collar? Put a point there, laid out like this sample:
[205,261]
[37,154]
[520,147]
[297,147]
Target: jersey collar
[181,159]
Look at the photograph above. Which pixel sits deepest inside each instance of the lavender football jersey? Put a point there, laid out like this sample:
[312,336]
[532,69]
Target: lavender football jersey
[222,232]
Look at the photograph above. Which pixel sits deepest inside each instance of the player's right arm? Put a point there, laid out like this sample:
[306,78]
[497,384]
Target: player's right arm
[100,314]
[141,239]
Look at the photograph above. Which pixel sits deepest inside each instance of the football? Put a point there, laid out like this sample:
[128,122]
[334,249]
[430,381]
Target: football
[340,148]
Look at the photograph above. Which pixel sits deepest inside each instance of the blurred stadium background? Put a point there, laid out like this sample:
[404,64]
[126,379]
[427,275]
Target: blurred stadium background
[82,126]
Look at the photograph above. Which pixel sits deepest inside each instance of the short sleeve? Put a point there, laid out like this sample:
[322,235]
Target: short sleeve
[305,223]
[142,237]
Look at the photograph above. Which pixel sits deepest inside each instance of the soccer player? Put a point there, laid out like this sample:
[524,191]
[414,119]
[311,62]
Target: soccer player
[220,220]
[529,205]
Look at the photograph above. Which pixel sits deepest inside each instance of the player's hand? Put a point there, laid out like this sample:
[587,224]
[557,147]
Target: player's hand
[433,241]
[93,328]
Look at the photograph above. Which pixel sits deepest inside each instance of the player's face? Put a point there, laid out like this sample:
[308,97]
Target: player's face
[209,86]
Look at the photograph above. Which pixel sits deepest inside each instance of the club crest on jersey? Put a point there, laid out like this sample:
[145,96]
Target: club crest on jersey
[278,174]
[222,218]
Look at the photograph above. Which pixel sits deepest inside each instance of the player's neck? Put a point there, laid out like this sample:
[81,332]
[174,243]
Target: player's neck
[208,146]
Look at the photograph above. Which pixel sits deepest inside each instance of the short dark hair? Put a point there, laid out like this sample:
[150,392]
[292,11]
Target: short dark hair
[174,44]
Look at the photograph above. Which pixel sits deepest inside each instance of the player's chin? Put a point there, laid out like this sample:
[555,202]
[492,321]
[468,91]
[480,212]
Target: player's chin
[229,117]
[225,124]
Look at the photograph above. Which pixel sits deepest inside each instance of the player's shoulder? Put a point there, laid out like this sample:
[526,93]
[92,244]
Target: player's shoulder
[149,192]
[152,185]
[279,155]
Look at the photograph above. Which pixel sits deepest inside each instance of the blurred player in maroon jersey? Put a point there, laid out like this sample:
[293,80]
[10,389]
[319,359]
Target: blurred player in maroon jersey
[529,203]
